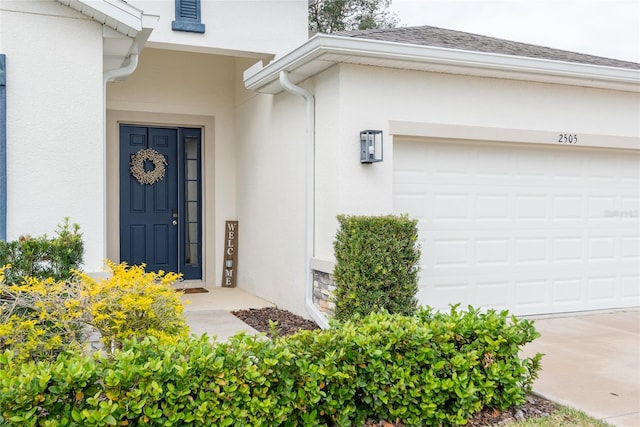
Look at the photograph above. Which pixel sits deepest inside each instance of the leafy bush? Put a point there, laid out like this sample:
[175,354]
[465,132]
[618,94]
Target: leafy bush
[43,257]
[427,369]
[39,318]
[376,265]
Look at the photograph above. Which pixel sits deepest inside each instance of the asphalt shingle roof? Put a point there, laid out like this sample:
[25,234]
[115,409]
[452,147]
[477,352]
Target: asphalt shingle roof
[451,39]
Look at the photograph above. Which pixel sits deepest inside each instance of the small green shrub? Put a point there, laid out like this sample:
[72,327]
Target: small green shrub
[427,369]
[376,265]
[43,257]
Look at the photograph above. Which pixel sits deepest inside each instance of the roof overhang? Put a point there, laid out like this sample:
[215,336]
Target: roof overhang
[323,51]
[125,28]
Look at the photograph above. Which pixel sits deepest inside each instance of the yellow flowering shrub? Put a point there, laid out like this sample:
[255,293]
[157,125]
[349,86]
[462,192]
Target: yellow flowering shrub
[134,303]
[39,318]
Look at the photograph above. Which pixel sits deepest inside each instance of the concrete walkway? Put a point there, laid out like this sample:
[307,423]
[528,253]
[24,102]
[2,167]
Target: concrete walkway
[592,363]
[210,312]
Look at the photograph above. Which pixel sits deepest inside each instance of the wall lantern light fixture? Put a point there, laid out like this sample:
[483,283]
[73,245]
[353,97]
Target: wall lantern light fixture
[370,146]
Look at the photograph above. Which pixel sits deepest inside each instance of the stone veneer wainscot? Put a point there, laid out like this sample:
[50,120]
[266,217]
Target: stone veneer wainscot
[323,288]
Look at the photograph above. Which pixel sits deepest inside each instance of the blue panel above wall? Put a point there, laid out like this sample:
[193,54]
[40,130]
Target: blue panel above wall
[188,17]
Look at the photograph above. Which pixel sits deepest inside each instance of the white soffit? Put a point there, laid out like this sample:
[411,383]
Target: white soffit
[115,14]
[125,28]
[322,51]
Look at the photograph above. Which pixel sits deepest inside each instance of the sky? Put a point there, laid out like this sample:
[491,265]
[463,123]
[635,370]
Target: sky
[608,28]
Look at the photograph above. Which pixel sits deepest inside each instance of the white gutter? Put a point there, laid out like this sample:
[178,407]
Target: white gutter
[322,51]
[311,308]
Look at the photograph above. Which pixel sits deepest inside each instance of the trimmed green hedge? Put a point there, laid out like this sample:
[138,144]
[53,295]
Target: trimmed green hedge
[43,257]
[428,369]
[376,265]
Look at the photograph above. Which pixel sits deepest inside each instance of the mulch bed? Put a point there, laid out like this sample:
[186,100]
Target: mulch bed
[289,323]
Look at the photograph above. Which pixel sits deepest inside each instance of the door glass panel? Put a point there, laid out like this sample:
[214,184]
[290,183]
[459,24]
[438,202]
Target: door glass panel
[192,212]
[192,191]
[192,200]
[191,148]
[192,169]
[192,254]
[193,232]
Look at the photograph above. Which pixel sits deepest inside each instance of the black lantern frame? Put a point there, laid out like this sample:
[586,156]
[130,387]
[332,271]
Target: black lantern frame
[370,146]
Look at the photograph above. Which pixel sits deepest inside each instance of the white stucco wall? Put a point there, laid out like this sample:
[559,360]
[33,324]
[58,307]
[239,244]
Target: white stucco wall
[372,97]
[266,26]
[54,115]
[271,187]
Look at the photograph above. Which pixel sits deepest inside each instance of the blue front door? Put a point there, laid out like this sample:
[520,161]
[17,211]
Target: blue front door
[149,210]
[161,199]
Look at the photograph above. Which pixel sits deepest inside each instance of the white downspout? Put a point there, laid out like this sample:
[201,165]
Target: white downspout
[122,72]
[109,76]
[311,308]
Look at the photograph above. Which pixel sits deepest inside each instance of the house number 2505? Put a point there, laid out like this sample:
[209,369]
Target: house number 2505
[567,138]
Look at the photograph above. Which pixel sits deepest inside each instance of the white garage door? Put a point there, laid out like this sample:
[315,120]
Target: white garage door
[532,229]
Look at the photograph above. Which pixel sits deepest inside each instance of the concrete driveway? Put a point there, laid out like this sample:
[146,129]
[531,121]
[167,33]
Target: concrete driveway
[592,363]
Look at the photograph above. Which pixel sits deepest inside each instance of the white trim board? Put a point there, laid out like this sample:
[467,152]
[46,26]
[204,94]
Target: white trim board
[490,134]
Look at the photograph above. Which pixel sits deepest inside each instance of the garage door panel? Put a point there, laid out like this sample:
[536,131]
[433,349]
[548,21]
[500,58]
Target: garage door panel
[567,207]
[629,206]
[492,207]
[567,249]
[492,293]
[568,290]
[599,205]
[450,252]
[529,228]
[532,166]
[531,250]
[531,206]
[602,248]
[530,294]
[492,251]
[450,207]
[601,289]
[630,249]
[629,289]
